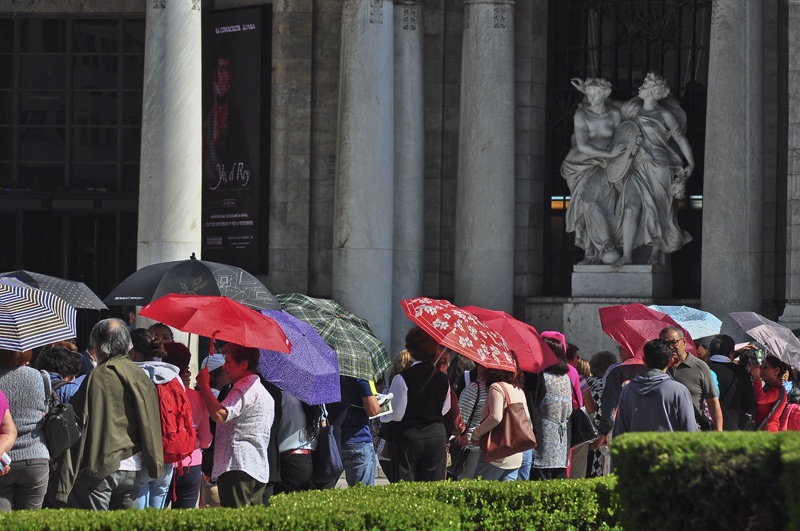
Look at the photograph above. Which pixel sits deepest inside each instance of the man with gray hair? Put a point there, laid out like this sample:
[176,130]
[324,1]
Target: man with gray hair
[117,408]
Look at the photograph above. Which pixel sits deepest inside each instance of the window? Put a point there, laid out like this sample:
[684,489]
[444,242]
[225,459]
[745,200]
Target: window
[621,41]
[71,103]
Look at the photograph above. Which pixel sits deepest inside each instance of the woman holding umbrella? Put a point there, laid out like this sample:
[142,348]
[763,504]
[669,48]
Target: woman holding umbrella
[421,401]
[244,422]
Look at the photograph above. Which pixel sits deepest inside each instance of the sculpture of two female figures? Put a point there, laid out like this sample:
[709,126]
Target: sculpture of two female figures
[623,173]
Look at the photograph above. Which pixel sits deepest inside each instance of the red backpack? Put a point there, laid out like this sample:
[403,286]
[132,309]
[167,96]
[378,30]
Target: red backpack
[177,428]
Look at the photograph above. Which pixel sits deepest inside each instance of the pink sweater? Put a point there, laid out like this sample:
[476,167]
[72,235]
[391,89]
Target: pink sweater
[202,427]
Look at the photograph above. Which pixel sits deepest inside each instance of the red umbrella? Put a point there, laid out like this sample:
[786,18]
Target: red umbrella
[633,325]
[533,354]
[218,317]
[460,331]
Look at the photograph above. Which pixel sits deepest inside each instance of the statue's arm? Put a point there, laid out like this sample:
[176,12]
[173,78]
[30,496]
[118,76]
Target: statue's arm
[674,127]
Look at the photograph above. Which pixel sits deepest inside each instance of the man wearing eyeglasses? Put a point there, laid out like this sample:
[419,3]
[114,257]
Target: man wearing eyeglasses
[693,372]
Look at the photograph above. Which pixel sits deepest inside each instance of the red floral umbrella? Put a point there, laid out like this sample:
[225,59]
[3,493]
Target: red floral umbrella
[633,325]
[532,353]
[218,317]
[460,331]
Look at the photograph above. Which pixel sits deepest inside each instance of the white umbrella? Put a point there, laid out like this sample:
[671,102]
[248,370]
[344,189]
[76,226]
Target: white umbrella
[778,340]
[697,322]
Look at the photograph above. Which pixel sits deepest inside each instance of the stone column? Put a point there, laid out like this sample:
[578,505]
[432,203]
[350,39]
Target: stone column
[484,257]
[363,201]
[732,195]
[409,164]
[791,314]
[170,180]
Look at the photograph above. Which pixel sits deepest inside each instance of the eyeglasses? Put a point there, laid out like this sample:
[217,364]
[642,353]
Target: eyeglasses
[673,342]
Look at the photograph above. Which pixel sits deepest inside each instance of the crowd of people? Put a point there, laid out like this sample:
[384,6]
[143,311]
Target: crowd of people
[247,439]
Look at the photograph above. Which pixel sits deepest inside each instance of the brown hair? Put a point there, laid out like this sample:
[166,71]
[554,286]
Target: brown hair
[420,345]
[240,354]
[13,358]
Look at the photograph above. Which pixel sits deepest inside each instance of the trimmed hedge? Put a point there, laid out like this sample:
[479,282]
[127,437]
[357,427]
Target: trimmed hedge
[472,505]
[732,480]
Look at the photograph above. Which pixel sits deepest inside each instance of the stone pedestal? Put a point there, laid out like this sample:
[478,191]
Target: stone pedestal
[484,254]
[646,281]
[364,195]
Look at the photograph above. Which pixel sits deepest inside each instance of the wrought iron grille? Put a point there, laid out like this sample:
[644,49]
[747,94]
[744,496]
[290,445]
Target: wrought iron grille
[621,41]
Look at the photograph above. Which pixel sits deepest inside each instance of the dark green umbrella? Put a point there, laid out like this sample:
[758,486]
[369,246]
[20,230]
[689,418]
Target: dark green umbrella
[360,353]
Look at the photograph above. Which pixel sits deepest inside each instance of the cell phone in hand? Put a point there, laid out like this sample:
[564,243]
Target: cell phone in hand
[5,459]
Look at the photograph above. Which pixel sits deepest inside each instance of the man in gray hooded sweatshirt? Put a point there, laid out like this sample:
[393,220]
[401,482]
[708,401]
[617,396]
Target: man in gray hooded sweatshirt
[653,401]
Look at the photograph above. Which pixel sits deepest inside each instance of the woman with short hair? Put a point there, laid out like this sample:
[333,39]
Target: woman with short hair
[244,422]
[25,484]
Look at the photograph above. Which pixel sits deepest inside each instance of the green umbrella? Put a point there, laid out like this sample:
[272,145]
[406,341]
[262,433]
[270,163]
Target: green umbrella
[360,353]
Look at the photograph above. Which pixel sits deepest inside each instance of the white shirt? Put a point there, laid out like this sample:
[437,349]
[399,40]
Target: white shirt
[241,441]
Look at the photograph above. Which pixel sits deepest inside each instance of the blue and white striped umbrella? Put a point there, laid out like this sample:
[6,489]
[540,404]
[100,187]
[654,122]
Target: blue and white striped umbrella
[30,317]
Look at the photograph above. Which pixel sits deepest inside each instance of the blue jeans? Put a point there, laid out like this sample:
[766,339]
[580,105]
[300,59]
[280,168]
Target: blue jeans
[525,469]
[115,491]
[360,463]
[490,472]
[153,491]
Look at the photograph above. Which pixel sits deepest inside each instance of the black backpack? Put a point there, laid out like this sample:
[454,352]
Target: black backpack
[61,428]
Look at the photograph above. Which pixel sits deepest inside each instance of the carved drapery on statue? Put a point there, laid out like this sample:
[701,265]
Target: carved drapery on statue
[625,171]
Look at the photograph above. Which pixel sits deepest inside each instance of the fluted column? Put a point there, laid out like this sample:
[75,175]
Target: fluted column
[363,202]
[791,314]
[484,258]
[170,180]
[409,163]
[732,195]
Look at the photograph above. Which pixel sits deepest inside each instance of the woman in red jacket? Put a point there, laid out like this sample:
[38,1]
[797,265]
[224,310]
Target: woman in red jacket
[771,372]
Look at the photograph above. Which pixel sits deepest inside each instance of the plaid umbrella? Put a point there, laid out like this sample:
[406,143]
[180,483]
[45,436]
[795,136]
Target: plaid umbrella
[360,353]
[77,294]
[30,317]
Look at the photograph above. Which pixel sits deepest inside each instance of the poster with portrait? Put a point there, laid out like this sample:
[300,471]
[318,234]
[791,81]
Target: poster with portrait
[235,174]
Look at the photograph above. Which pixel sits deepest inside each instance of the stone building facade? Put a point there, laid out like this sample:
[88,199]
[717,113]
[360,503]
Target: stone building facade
[465,239]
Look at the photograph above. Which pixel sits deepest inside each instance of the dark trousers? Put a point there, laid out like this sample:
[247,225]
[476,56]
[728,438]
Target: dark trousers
[25,485]
[296,472]
[186,486]
[548,473]
[419,459]
[119,490]
[239,489]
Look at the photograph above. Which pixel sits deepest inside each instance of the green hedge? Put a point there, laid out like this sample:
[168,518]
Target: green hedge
[471,505]
[733,480]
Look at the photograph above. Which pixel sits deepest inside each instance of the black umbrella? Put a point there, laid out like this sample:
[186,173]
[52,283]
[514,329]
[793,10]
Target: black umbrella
[192,277]
[77,294]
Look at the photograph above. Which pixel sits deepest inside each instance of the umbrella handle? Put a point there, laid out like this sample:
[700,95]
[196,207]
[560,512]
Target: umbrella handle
[211,343]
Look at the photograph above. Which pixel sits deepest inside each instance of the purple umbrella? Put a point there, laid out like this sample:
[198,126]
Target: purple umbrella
[310,371]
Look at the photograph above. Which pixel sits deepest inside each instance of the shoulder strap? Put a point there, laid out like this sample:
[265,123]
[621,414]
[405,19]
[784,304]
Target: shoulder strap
[781,393]
[48,389]
[475,405]
[505,392]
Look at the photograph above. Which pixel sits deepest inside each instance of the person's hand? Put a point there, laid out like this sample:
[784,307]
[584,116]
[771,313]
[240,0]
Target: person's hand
[601,441]
[688,171]
[6,469]
[755,372]
[476,441]
[618,150]
[462,440]
[203,379]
